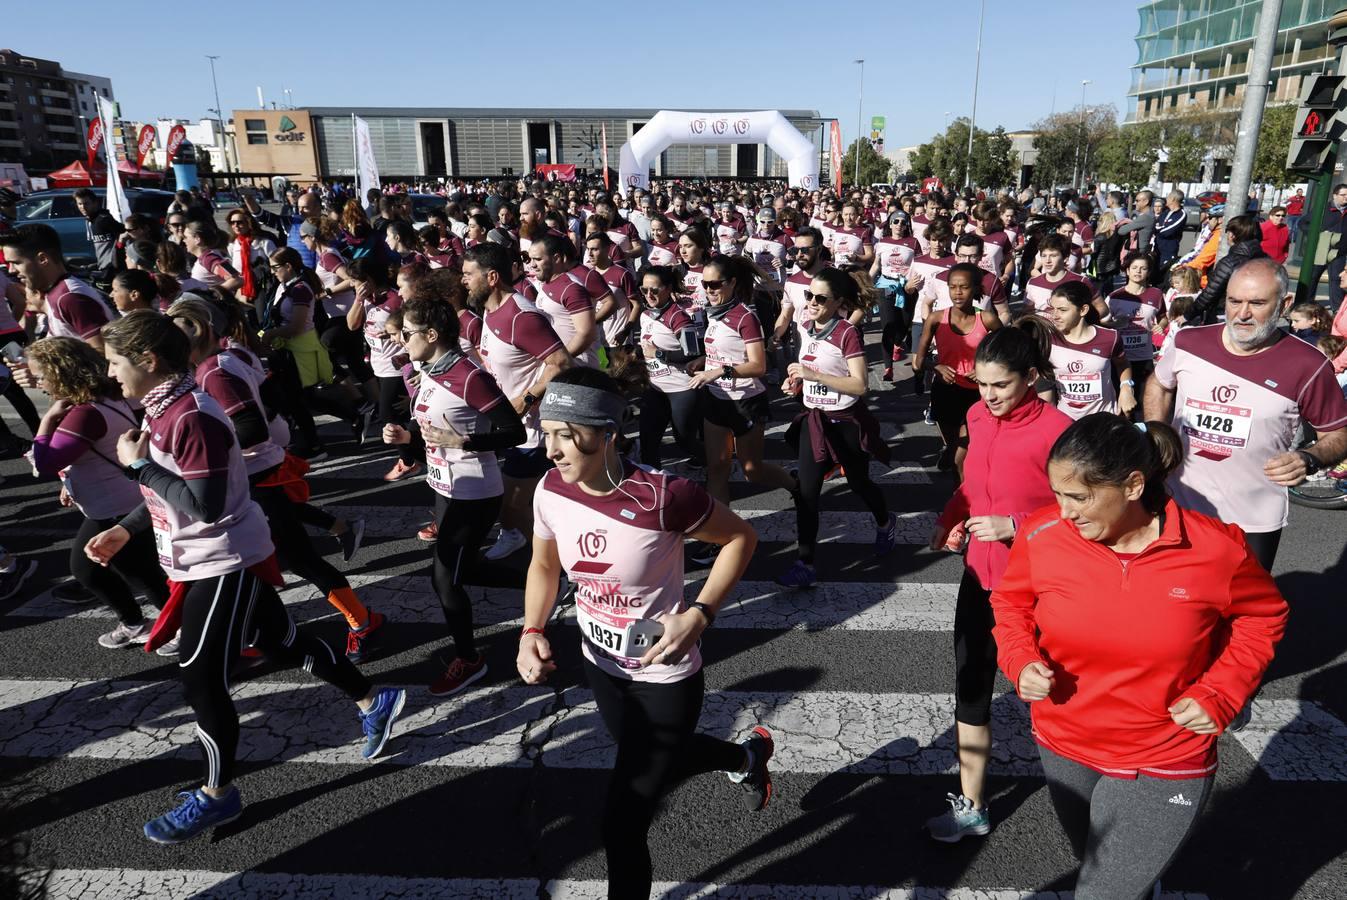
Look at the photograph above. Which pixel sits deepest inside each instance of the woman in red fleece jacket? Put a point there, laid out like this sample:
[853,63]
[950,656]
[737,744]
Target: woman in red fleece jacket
[1137,629]
[1009,432]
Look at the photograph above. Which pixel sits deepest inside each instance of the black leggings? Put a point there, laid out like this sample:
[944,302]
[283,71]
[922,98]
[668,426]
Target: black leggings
[294,547]
[845,438]
[682,409]
[950,404]
[218,615]
[1264,545]
[463,526]
[974,653]
[347,348]
[134,567]
[658,745]
[392,389]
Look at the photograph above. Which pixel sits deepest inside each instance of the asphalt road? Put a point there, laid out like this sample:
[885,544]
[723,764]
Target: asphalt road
[496,793]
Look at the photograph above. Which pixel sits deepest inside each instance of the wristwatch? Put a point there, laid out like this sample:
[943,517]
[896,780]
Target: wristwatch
[727,371]
[1129,382]
[529,400]
[706,611]
[1312,464]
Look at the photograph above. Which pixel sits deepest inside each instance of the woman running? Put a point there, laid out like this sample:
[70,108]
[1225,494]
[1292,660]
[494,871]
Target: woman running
[894,254]
[734,403]
[77,441]
[836,428]
[956,332]
[598,513]
[938,238]
[375,300]
[1008,433]
[1137,311]
[663,243]
[460,419]
[670,344]
[1136,630]
[1087,357]
[694,249]
[214,545]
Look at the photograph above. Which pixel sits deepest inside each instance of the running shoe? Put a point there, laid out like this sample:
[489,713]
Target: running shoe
[12,581]
[350,538]
[196,813]
[125,636]
[509,541]
[72,592]
[886,538]
[800,575]
[757,781]
[430,533]
[401,470]
[703,554]
[361,642]
[362,423]
[171,648]
[460,674]
[960,820]
[377,723]
[945,462]
[312,454]
[888,373]
[928,417]
[898,352]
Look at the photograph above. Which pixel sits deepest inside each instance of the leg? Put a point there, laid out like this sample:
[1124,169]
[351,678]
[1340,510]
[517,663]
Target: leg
[655,415]
[846,439]
[685,413]
[718,443]
[463,525]
[1334,281]
[1264,546]
[137,564]
[286,394]
[23,406]
[1070,786]
[975,674]
[807,501]
[749,446]
[104,583]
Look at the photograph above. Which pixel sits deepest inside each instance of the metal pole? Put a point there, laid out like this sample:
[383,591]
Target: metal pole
[1321,186]
[1077,168]
[1251,116]
[859,133]
[219,114]
[972,120]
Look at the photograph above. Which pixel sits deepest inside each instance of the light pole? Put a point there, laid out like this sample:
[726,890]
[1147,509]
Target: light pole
[1077,164]
[972,121]
[219,112]
[860,93]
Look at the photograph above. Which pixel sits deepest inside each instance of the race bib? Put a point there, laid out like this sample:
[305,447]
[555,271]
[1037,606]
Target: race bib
[1137,342]
[617,635]
[1080,389]
[816,393]
[159,521]
[1214,430]
[438,473]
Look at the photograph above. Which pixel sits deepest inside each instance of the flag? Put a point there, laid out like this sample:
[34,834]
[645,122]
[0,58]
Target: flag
[94,140]
[837,156]
[366,169]
[116,199]
[144,144]
[603,130]
[176,135]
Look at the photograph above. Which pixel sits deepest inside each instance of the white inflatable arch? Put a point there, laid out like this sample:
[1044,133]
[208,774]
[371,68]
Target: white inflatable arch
[764,127]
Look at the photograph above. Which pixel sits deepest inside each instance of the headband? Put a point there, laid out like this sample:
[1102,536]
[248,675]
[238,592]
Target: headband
[581,405]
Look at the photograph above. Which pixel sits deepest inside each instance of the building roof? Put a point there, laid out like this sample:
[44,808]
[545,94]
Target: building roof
[458,112]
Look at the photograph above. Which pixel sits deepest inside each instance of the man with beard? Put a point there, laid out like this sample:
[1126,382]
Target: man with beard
[807,250]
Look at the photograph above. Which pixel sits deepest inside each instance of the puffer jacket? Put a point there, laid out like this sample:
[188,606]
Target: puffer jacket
[1207,305]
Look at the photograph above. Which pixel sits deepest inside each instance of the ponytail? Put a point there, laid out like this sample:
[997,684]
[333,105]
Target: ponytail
[1026,345]
[1104,449]
[1078,294]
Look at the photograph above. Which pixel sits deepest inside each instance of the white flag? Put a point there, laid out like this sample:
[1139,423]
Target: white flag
[366,169]
[116,202]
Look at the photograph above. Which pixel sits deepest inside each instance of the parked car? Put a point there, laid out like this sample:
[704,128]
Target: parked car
[1192,209]
[57,208]
[423,205]
[1208,199]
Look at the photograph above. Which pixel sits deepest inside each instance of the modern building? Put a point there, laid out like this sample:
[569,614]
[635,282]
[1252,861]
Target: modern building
[1193,55]
[39,113]
[421,143]
[87,90]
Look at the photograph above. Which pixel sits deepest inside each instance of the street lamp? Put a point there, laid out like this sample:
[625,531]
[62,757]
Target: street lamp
[219,111]
[1077,163]
[859,134]
[977,72]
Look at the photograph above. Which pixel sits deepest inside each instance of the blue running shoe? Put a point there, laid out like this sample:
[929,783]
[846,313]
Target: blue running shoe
[195,814]
[886,538]
[799,575]
[378,722]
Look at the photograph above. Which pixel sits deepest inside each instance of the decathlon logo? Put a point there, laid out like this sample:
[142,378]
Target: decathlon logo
[592,544]
[697,126]
[1224,393]
[719,125]
[741,126]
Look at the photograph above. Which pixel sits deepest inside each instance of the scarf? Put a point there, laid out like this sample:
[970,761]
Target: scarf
[249,288]
[161,397]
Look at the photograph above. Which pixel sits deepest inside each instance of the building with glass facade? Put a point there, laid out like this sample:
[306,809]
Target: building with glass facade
[1193,55]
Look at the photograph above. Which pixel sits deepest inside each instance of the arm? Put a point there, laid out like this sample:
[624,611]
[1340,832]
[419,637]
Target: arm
[557,362]
[355,316]
[298,324]
[1127,397]
[1013,604]
[924,343]
[783,320]
[507,430]
[586,331]
[534,660]
[1159,401]
[201,498]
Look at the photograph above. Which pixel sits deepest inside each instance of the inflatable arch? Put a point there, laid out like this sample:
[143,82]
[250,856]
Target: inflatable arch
[668,127]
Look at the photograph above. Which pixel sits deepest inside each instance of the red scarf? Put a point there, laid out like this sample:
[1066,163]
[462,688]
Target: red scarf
[249,289]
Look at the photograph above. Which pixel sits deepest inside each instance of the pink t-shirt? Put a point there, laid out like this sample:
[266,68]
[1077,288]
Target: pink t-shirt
[76,310]
[728,235]
[727,340]
[1134,316]
[459,398]
[662,329]
[665,254]
[212,269]
[234,384]
[95,481]
[624,554]
[828,351]
[847,243]
[1085,372]
[766,249]
[1235,413]
[995,246]
[692,286]
[469,332]
[934,292]
[895,256]
[1039,290]
[327,267]
[558,300]
[919,226]
[793,293]
[383,352]
[516,339]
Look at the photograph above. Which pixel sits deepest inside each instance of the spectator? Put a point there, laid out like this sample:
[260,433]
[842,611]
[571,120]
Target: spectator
[1276,235]
[1328,253]
[1246,243]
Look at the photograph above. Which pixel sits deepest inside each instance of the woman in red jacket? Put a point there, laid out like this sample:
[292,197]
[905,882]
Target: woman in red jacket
[1008,435]
[1137,629]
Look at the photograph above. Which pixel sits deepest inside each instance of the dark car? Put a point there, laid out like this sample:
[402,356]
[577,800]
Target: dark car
[423,205]
[57,208]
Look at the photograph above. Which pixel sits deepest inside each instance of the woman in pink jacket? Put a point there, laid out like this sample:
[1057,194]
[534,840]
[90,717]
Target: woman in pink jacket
[1007,435]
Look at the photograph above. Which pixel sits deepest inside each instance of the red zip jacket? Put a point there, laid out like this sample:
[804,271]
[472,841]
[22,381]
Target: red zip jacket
[1192,615]
[1004,474]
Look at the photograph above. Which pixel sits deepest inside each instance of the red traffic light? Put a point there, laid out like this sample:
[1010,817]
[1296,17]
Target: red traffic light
[1313,126]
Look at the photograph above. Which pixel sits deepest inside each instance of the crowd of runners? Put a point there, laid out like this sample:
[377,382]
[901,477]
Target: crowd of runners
[1119,425]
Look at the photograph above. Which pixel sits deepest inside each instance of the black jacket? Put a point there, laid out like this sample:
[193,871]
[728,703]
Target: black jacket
[1207,304]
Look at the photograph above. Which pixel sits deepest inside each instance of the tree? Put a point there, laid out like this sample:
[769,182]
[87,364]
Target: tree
[993,163]
[1068,142]
[1274,142]
[946,156]
[1128,157]
[874,168]
[1186,151]
[921,163]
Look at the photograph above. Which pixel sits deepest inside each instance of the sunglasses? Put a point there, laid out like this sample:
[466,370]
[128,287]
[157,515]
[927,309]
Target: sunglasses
[652,292]
[177,224]
[811,297]
[236,222]
[407,333]
[713,284]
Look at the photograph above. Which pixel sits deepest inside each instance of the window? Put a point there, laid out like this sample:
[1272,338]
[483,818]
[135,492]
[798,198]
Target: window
[107,93]
[257,130]
[255,137]
[81,88]
[32,100]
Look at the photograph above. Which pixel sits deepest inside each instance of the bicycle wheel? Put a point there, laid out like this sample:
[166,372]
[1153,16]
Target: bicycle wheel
[1325,493]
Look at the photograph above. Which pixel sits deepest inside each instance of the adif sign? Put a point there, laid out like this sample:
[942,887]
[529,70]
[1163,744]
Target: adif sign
[669,127]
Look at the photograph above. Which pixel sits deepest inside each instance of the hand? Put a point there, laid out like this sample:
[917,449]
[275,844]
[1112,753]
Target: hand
[1178,321]
[519,405]
[134,444]
[792,386]
[534,660]
[1190,714]
[1286,469]
[795,370]
[442,437]
[914,282]
[65,499]
[55,413]
[681,632]
[945,373]
[103,546]
[991,528]
[778,263]
[648,350]
[1127,401]
[704,377]
[22,376]
[951,539]
[396,434]
[1035,682]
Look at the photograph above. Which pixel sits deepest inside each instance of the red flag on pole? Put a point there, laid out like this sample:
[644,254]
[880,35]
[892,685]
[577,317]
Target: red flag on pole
[144,144]
[176,135]
[603,129]
[94,140]
[837,157]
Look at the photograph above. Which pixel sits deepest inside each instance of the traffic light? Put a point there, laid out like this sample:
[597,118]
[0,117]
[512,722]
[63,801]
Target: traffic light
[1318,126]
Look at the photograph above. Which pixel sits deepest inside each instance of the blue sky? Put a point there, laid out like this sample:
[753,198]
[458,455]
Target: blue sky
[756,55]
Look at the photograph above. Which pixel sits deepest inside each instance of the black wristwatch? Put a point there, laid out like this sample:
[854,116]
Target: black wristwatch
[529,400]
[727,371]
[659,355]
[1312,464]
[706,611]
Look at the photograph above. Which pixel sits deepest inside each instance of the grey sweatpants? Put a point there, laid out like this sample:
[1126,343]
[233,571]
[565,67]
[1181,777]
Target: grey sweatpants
[1125,832]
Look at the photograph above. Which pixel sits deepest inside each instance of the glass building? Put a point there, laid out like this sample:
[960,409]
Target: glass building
[1193,55]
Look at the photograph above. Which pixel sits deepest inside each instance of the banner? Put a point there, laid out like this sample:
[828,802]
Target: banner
[877,124]
[603,130]
[837,156]
[116,197]
[931,184]
[555,171]
[144,144]
[366,169]
[94,140]
[176,135]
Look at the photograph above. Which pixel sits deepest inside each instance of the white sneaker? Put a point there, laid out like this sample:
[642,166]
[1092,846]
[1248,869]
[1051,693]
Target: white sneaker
[510,540]
[125,636]
[171,648]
